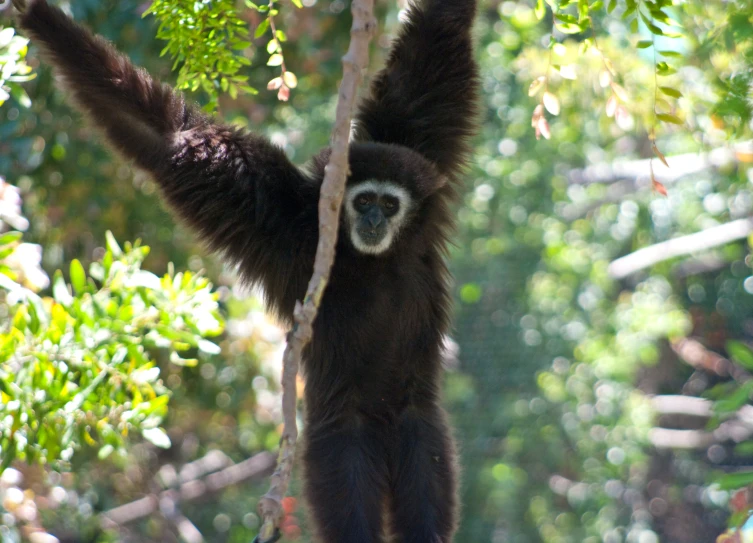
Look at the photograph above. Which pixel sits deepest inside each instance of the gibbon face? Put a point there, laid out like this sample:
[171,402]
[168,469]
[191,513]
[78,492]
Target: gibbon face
[375,212]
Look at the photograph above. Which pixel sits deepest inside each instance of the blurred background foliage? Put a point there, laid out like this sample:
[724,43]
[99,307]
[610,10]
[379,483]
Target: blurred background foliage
[601,380]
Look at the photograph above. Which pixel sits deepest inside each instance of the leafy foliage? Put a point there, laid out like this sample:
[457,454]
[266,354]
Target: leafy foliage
[13,68]
[206,38]
[78,369]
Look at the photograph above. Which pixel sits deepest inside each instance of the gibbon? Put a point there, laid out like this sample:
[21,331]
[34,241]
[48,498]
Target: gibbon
[378,455]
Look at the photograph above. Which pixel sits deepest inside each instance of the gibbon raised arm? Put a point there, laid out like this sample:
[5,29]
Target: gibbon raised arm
[239,192]
[425,97]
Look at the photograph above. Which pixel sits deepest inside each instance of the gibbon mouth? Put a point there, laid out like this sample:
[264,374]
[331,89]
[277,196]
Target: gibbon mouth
[371,237]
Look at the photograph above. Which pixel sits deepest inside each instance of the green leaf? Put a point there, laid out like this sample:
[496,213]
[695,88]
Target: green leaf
[176,359]
[565,18]
[112,245]
[734,400]
[19,94]
[275,60]
[671,54]
[78,276]
[60,290]
[731,481]
[740,353]
[669,118]
[105,451]
[540,9]
[209,347]
[261,29]
[569,28]
[643,44]
[10,237]
[650,25]
[6,35]
[612,5]
[664,69]
[669,91]
[273,46]
[583,9]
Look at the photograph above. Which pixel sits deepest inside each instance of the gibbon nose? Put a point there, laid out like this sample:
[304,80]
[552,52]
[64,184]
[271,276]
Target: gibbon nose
[374,219]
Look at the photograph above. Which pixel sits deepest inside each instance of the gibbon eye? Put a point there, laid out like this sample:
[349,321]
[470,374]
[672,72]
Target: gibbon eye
[362,201]
[389,205]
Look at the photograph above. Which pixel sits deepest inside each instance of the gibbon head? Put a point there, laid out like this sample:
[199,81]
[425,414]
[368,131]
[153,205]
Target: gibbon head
[386,190]
[375,211]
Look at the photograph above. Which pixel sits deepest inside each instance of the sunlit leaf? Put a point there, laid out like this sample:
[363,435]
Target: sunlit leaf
[542,128]
[78,276]
[551,103]
[740,353]
[275,83]
[290,79]
[620,92]
[157,437]
[536,85]
[262,28]
[568,72]
[540,9]
[669,91]
[611,105]
[669,118]
[273,46]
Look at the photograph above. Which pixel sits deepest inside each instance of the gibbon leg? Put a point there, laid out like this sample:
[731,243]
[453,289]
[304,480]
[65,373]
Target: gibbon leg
[345,480]
[424,479]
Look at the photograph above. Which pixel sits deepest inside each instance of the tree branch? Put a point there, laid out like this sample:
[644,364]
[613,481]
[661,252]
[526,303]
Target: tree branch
[694,353]
[737,429]
[192,487]
[684,245]
[330,200]
[637,171]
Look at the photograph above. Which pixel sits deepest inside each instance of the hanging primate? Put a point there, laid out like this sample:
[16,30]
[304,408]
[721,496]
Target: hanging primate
[377,445]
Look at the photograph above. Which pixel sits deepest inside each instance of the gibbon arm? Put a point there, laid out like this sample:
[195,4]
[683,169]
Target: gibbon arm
[425,97]
[239,191]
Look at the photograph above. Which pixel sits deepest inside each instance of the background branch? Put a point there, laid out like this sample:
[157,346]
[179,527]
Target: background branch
[193,483]
[330,200]
[684,245]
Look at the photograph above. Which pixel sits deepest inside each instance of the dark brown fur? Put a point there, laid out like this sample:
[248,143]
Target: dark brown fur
[375,432]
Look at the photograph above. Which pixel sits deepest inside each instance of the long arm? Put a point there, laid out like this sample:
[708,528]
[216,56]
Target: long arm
[425,97]
[239,191]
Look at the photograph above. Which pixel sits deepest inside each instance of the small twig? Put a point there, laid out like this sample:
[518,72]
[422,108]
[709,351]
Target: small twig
[331,195]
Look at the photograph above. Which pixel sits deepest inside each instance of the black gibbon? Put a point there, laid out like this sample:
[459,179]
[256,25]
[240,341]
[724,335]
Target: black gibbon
[377,445]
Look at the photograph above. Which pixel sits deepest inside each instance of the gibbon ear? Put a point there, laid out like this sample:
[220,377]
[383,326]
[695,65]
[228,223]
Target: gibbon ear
[429,181]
